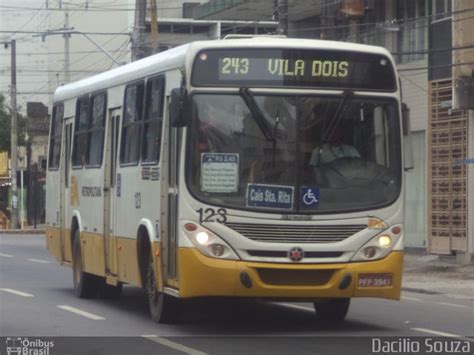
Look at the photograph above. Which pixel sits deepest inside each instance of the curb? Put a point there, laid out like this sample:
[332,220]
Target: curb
[22,231]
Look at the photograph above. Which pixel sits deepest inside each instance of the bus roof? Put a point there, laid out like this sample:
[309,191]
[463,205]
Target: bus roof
[178,57]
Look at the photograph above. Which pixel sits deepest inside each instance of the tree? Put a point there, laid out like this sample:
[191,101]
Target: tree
[5,127]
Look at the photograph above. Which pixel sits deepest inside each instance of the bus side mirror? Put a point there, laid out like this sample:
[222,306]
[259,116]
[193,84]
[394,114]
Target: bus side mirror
[407,144]
[179,107]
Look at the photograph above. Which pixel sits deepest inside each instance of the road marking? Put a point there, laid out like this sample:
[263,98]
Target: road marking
[297,306]
[16,292]
[411,298]
[452,304]
[80,312]
[6,255]
[39,261]
[442,334]
[173,345]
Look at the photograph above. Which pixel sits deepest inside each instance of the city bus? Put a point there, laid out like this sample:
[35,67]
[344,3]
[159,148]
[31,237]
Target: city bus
[253,168]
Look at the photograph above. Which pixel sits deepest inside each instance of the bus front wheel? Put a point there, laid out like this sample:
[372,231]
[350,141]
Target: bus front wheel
[163,307]
[85,285]
[332,310]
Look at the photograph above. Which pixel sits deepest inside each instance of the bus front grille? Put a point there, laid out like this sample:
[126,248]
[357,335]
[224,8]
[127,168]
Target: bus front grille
[273,233]
[284,254]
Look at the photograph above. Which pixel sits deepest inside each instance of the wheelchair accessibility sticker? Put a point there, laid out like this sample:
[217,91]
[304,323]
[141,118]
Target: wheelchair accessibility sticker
[309,196]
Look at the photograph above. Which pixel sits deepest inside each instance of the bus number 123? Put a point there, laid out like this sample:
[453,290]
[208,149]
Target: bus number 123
[211,215]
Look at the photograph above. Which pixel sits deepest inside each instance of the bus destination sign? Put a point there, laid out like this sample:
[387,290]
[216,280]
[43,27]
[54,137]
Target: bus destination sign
[294,68]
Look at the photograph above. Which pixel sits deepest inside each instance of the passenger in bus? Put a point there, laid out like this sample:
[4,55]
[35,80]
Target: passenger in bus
[211,136]
[335,148]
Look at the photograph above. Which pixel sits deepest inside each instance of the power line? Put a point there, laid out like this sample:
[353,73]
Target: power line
[50,71]
[427,51]
[435,66]
[27,22]
[95,9]
[59,53]
[403,21]
[83,57]
[34,93]
[413,83]
[87,33]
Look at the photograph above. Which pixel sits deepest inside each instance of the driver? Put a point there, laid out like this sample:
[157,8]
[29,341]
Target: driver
[333,149]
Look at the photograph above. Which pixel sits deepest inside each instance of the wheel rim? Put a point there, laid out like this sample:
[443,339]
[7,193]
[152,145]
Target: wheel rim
[151,285]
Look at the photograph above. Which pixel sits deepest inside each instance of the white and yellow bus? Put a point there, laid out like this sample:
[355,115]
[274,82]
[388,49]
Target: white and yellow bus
[264,168]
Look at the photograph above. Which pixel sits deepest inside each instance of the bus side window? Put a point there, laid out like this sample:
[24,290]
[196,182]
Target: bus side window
[131,124]
[81,125]
[153,120]
[96,130]
[55,137]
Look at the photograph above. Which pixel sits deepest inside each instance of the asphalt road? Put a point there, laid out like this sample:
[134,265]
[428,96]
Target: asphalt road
[36,300]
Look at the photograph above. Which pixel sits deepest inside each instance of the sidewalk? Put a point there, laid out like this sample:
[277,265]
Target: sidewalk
[40,229]
[432,274]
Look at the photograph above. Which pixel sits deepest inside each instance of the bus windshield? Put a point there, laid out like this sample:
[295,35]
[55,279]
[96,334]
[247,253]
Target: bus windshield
[294,154]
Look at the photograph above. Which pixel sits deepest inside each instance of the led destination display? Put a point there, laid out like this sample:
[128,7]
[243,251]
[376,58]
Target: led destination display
[293,68]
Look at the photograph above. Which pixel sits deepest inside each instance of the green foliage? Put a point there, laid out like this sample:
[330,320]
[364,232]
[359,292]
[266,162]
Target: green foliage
[5,126]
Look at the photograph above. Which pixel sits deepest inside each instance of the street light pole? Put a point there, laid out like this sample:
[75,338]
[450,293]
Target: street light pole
[14,143]
[283,17]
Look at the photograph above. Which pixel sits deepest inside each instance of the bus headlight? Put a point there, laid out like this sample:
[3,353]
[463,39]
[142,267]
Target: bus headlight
[378,247]
[202,238]
[209,243]
[385,241]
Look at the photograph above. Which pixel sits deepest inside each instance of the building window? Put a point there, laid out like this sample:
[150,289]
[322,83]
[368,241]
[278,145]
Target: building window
[153,121]
[441,9]
[131,125]
[413,34]
[81,125]
[96,130]
[55,136]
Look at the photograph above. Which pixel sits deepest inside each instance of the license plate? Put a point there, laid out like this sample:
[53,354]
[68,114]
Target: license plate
[374,280]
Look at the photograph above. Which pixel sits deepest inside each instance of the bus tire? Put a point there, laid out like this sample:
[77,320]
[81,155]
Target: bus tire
[163,307]
[85,285]
[107,291]
[333,310]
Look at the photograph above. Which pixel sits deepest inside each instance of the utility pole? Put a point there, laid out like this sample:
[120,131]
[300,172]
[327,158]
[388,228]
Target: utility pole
[139,41]
[154,27]
[67,58]
[14,135]
[283,17]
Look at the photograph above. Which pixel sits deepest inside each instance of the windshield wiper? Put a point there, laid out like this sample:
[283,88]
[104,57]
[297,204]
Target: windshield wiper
[257,114]
[336,118]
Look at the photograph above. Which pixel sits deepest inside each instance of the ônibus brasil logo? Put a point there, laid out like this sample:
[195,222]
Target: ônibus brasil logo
[25,346]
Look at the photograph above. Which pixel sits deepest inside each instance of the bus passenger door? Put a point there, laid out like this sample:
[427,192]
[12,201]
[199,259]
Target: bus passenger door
[65,203]
[169,201]
[110,167]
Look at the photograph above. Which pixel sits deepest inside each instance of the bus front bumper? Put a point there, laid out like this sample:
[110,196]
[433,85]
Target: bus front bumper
[201,276]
